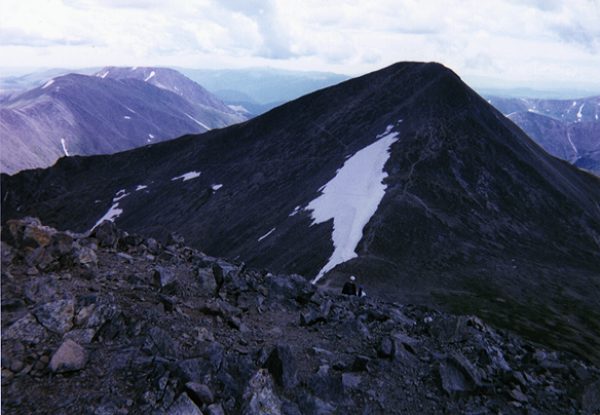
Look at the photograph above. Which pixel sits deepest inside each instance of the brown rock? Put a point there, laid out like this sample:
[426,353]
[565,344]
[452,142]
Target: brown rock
[69,357]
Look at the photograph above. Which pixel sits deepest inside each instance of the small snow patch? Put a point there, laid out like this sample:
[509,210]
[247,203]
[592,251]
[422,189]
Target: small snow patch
[216,187]
[64,146]
[239,108]
[114,211]
[47,84]
[150,135]
[579,114]
[134,68]
[127,117]
[140,187]
[266,234]
[187,176]
[149,77]
[130,110]
[104,75]
[295,211]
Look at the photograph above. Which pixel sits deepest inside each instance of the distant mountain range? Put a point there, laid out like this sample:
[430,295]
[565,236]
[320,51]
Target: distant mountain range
[568,129]
[260,89]
[112,110]
[404,177]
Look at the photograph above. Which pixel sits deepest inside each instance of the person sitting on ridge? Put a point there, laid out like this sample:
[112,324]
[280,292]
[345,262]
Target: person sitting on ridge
[350,286]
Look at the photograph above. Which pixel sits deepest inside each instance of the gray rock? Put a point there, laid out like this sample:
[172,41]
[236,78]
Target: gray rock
[183,406]
[458,375]
[40,289]
[200,393]
[351,380]
[81,336]
[159,342]
[517,395]
[207,279]
[282,365]
[61,244]
[386,348]
[163,277]
[260,396]
[26,329]
[86,256]
[106,233]
[215,409]
[102,312]
[153,246]
[69,357]
[56,316]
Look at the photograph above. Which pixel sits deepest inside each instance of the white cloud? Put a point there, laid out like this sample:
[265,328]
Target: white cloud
[514,40]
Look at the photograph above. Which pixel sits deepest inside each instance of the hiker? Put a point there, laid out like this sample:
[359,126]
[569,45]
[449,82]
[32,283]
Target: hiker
[350,286]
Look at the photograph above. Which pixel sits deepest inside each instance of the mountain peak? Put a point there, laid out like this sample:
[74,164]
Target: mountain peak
[468,209]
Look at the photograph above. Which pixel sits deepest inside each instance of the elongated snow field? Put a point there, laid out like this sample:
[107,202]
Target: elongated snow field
[351,198]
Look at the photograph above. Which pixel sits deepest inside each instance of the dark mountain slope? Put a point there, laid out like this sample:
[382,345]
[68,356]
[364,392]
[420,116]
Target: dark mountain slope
[475,215]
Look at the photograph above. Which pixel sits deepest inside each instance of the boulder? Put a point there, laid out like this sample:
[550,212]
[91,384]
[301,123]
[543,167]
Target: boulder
[163,277]
[69,357]
[56,316]
[107,234]
[183,406]
[206,278]
[458,375]
[200,393]
[281,363]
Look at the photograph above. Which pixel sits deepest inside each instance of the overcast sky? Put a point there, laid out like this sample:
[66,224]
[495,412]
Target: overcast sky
[538,43]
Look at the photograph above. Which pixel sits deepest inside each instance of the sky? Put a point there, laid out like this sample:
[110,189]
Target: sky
[503,43]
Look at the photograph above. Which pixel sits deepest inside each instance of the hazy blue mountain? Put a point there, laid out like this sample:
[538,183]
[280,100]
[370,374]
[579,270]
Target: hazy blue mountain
[99,114]
[568,129]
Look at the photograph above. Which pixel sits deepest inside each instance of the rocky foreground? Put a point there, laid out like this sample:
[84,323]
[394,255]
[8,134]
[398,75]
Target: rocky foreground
[117,324]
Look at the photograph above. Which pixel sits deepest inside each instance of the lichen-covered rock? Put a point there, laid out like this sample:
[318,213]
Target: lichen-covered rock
[260,396]
[56,316]
[26,329]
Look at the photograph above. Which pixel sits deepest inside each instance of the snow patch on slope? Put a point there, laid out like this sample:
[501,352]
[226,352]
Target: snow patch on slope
[266,234]
[352,197]
[47,84]
[114,211]
[579,114]
[149,77]
[64,146]
[187,176]
[201,124]
[216,187]
[140,187]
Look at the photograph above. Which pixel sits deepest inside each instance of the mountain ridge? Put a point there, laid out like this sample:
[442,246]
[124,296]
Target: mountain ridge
[472,209]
